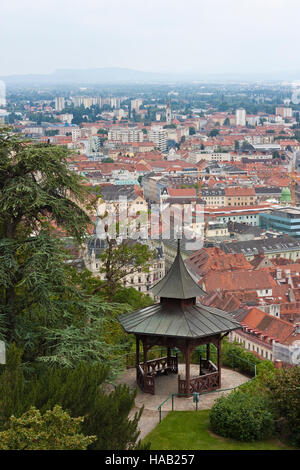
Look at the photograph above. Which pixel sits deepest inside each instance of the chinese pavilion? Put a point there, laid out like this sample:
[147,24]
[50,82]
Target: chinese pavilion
[178,322]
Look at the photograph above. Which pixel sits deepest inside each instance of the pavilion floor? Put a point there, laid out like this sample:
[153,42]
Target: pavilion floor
[166,385]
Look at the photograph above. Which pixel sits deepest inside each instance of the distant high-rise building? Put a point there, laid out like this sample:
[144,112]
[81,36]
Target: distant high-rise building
[97,101]
[124,134]
[284,111]
[59,103]
[87,102]
[136,104]
[115,103]
[240,117]
[158,135]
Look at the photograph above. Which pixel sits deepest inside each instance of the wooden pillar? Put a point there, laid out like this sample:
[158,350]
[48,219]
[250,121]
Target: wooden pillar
[168,356]
[137,356]
[137,351]
[208,352]
[219,361]
[187,368]
[145,356]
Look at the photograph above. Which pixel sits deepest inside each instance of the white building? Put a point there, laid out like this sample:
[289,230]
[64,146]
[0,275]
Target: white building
[158,135]
[124,134]
[195,157]
[67,117]
[136,104]
[240,117]
[59,103]
[284,111]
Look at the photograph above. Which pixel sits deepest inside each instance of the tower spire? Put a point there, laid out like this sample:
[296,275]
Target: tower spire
[178,245]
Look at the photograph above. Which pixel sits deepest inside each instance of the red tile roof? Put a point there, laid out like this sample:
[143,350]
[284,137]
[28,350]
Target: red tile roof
[214,259]
[281,330]
[184,192]
[239,281]
[239,192]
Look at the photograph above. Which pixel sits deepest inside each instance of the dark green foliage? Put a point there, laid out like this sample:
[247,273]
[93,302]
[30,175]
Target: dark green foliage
[82,391]
[46,309]
[67,329]
[280,390]
[109,420]
[44,305]
[118,261]
[243,417]
[133,298]
[12,385]
[275,154]
[283,388]
[213,132]
[36,188]
[236,357]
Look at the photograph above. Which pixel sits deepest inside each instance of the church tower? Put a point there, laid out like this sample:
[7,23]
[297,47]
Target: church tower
[168,113]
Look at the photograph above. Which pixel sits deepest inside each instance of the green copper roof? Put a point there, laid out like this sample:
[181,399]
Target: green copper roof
[174,318]
[177,283]
[177,320]
[285,195]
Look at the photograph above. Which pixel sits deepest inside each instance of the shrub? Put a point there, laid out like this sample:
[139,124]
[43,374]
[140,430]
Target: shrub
[55,430]
[242,416]
[235,357]
[283,388]
[81,391]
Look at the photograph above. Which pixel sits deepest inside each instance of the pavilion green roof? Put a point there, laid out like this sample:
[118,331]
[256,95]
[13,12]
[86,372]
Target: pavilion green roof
[178,320]
[174,316]
[177,283]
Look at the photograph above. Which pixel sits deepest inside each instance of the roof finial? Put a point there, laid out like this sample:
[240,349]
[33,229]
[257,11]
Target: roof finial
[178,245]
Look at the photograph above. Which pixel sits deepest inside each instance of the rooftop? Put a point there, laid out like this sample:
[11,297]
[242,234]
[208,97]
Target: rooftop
[177,283]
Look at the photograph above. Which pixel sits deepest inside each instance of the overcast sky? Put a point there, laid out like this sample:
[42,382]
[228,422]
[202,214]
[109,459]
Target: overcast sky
[207,36]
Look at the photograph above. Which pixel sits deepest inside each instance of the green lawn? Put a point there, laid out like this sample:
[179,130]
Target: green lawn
[189,430]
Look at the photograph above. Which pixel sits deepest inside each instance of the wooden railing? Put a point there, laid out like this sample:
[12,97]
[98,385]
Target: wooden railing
[145,382]
[155,367]
[162,365]
[202,383]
